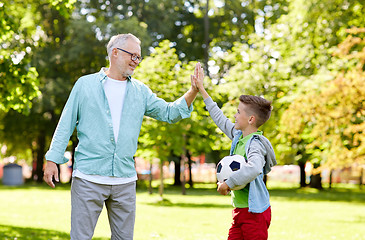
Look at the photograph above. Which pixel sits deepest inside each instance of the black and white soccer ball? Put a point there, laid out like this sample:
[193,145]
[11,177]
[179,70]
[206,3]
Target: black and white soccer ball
[227,166]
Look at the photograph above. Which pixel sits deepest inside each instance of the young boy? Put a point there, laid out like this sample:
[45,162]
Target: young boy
[252,212]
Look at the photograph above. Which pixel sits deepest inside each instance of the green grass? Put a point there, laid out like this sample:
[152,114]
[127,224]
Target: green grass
[39,212]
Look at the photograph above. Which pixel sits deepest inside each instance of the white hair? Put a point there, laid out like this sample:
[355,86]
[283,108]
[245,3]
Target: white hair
[119,41]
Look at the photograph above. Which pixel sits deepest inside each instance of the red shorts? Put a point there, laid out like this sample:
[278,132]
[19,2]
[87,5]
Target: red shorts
[249,226]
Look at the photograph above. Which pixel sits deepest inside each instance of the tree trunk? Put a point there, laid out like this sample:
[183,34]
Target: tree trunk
[177,177]
[361,177]
[34,163]
[150,179]
[190,173]
[253,19]
[161,180]
[316,181]
[206,39]
[330,180]
[41,142]
[183,182]
[302,174]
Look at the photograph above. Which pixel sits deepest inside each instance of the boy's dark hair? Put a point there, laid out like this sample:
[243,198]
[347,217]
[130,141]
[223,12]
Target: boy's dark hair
[259,106]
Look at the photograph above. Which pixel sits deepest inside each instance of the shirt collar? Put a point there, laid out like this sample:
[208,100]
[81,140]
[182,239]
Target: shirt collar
[250,135]
[103,76]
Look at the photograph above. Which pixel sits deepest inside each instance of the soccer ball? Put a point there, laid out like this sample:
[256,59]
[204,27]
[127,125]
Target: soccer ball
[227,166]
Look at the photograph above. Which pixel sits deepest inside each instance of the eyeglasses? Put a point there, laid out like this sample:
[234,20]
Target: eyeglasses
[134,57]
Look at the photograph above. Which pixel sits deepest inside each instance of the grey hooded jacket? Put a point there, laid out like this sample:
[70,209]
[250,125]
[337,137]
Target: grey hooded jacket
[260,159]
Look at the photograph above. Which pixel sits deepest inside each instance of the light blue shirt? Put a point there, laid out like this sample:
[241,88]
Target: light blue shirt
[87,109]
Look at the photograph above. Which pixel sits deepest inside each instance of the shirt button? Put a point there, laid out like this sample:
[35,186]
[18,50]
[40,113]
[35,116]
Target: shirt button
[112,139]
[107,111]
[110,124]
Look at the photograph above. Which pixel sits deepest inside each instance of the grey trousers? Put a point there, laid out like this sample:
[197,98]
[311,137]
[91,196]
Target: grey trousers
[87,201]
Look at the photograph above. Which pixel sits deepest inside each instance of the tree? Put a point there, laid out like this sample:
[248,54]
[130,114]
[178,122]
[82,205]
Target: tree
[182,22]
[60,56]
[169,78]
[21,37]
[331,120]
[18,81]
[290,57]
[19,34]
[308,51]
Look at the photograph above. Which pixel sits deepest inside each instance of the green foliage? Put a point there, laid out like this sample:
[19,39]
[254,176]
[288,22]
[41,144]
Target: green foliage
[19,34]
[32,75]
[290,58]
[281,50]
[182,22]
[51,43]
[18,85]
[169,78]
[330,121]
[18,81]
[233,21]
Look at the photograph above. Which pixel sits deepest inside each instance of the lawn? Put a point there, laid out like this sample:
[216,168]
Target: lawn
[39,212]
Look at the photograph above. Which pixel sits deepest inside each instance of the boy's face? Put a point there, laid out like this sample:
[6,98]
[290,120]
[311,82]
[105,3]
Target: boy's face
[243,117]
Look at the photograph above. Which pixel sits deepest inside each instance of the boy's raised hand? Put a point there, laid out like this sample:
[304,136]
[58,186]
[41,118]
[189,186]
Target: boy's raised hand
[198,80]
[195,76]
[199,76]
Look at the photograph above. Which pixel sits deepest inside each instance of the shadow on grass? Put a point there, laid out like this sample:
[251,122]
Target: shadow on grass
[310,194]
[337,194]
[167,203]
[199,189]
[23,233]
[34,185]
[340,194]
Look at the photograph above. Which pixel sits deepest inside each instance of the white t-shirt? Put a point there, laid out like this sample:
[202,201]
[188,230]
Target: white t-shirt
[115,93]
